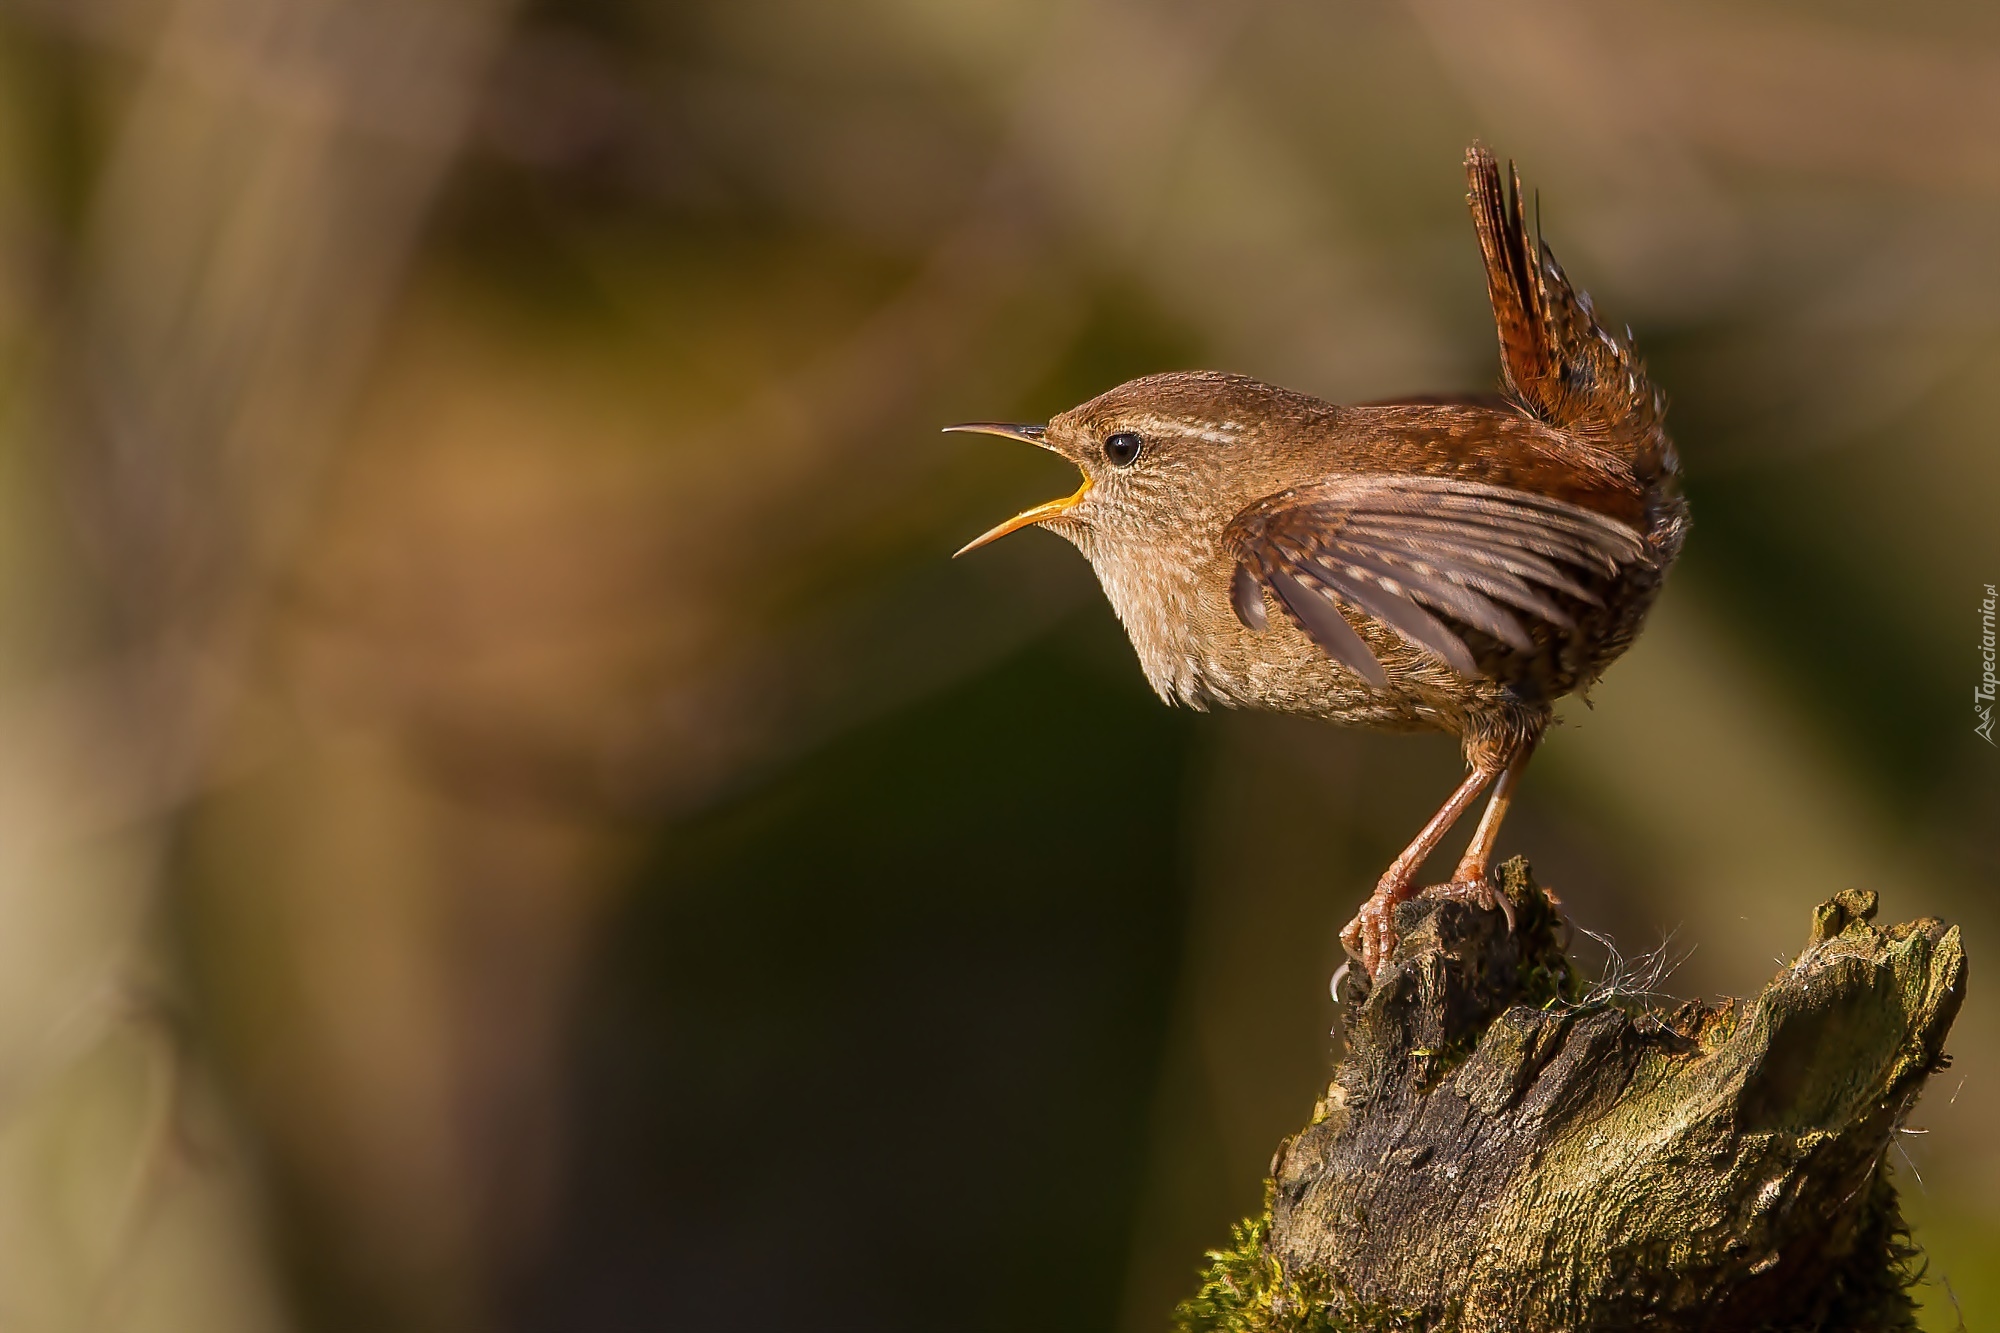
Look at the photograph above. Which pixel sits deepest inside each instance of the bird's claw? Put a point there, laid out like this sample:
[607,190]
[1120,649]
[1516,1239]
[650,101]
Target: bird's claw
[1480,891]
[1371,935]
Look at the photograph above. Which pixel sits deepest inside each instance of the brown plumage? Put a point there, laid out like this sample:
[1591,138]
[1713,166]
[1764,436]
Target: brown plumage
[1457,563]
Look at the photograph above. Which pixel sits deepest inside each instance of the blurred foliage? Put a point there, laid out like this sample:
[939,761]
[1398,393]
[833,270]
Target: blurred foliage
[974,1022]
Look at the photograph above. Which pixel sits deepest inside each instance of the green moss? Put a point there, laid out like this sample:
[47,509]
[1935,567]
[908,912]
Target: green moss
[1245,1290]
[1547,977]
[1872,1289]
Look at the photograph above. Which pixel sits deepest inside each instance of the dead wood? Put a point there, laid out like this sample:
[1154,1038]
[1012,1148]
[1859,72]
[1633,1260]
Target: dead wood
[1506,1147]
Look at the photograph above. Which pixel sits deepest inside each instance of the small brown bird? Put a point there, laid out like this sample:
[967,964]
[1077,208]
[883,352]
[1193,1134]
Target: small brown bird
[1456,563]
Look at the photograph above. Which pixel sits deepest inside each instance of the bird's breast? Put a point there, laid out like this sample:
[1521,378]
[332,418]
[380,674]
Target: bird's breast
[1161,602]
[1194,650]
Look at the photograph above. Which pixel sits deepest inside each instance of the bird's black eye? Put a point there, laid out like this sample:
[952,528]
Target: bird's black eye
[1123,448]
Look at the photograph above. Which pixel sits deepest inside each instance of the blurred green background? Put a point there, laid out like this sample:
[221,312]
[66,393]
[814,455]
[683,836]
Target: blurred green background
[510,820]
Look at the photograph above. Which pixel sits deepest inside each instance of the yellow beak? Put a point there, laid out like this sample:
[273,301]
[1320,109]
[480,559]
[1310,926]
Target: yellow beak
[1027,517]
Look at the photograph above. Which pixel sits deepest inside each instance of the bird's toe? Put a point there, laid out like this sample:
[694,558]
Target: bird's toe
[1480,891]
[1371,935]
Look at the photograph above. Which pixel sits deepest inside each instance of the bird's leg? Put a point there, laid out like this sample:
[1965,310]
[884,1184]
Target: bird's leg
[1372,933]
[1469,880]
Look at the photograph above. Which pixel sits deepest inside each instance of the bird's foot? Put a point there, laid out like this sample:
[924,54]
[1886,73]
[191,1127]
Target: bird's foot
[1479,890]
[1371,935]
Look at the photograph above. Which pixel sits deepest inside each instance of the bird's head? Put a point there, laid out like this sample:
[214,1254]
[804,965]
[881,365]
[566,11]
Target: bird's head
[1167,460]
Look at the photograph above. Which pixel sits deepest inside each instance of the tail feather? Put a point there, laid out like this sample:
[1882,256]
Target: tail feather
[1559,362]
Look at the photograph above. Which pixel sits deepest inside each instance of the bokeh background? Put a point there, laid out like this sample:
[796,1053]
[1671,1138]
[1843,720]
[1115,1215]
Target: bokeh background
[509,819]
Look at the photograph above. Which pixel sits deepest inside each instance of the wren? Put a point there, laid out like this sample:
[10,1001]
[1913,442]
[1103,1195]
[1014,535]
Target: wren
[1456,563]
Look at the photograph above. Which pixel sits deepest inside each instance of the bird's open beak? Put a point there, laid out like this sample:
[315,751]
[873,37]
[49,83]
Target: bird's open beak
[1027,517]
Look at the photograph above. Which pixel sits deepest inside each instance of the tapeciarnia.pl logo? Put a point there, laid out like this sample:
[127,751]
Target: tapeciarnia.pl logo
[1982,693]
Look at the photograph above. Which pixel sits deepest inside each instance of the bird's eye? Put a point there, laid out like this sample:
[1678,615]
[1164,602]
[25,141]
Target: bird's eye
[1123,448]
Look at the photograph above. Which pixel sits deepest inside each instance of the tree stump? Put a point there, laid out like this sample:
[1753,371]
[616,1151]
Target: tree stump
[1507,1147]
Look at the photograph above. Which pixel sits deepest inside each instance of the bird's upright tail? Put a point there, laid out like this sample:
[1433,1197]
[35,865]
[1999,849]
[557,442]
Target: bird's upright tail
[1560,363]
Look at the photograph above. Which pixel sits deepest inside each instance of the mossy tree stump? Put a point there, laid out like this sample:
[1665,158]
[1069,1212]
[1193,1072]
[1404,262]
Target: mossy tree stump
[1504,1148]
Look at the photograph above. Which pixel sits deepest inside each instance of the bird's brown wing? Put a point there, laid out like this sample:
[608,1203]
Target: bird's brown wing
[1407,550]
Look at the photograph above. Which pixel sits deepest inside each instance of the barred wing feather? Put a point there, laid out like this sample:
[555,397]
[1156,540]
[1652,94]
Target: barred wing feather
[1407,550]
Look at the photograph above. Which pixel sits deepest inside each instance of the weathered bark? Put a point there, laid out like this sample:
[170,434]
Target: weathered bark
[1504,1149]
